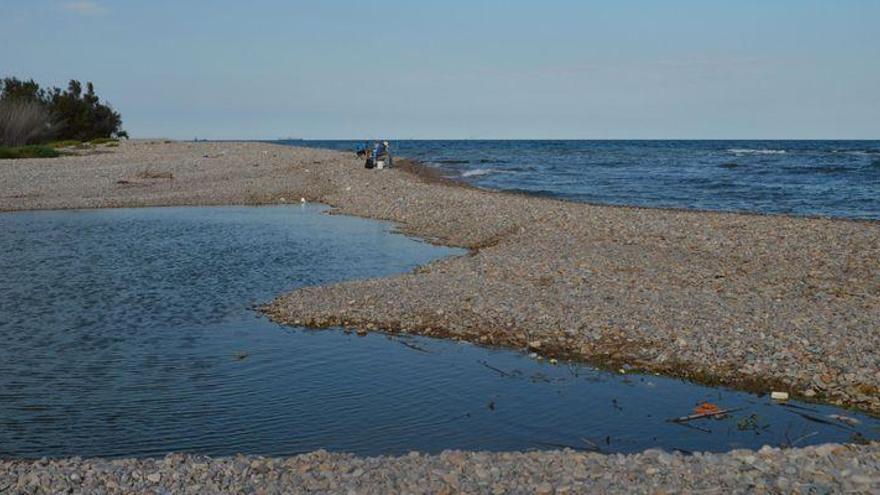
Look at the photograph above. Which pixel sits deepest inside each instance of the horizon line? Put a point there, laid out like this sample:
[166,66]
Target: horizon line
[518,139]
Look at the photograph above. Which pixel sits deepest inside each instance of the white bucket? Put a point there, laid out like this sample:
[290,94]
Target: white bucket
[380,164]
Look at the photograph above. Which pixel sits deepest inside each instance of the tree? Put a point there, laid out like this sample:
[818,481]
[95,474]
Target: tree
[22,91]
[72,113]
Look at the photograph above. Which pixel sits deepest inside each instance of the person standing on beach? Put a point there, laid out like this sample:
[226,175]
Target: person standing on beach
[387,148]
[368,151]
[382,154]
[379,155]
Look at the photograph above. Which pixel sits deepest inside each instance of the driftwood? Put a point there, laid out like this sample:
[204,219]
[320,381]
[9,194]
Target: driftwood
[587,448]
[722,412]
[802,438]
[795,406]
[816,419]
[501,372]
[414,347]
[695,427]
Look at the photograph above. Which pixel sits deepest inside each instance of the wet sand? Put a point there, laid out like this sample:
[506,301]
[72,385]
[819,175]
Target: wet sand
[754,301]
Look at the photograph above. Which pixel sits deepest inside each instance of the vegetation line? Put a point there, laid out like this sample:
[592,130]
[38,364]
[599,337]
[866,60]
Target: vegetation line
[32,117]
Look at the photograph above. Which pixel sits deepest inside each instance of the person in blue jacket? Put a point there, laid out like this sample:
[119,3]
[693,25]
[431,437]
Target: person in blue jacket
[382,154]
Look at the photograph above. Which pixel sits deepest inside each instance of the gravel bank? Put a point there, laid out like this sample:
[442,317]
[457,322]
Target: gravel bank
[756,301]
[821,469]
[158,173]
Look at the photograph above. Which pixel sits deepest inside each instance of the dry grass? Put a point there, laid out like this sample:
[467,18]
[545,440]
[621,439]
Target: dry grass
[23,123]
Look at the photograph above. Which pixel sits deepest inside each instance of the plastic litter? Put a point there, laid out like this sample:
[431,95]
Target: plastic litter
[707,408]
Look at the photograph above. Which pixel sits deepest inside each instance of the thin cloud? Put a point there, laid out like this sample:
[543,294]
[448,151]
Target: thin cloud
[83,7]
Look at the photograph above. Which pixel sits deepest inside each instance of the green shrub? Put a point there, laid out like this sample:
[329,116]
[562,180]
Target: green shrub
[67,143]
[30,151]
[75,113]
[103,140]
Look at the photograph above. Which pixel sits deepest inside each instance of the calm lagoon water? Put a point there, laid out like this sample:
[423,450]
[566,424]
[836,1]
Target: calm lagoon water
[825,178]
[130,333]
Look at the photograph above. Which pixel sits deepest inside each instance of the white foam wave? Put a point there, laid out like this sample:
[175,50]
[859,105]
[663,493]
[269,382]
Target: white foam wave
[479,171]
[862,153]
[747,151]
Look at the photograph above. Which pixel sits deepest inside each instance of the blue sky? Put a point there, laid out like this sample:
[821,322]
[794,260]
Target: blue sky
[462,68]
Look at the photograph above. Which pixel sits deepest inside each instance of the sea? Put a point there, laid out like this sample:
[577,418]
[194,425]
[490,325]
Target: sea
[807,178]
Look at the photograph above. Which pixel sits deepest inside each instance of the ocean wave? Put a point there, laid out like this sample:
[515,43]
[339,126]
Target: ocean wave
[822,169]
[860,152]
[748,151]
[479,171]
[450,162]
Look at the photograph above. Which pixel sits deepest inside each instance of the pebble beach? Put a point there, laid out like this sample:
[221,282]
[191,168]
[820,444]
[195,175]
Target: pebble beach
[822,469]
[757,302]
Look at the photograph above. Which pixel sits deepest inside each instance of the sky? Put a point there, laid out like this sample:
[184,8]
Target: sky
[462,69]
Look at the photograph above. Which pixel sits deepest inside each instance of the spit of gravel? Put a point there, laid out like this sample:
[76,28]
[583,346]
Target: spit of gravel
[163,173]
[755,301]
[820,469]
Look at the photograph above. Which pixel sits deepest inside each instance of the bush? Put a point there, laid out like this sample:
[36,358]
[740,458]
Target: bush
[32,151]
[74,114]
[24,122]
[67,143]
[81,114]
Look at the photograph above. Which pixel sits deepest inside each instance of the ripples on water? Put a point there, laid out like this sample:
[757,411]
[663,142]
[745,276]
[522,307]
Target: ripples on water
[826,178]
[128,332]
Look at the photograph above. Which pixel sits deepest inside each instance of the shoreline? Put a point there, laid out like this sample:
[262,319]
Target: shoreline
[866,397]
[418,169]
[346,188]
[821,469]
[754,301]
